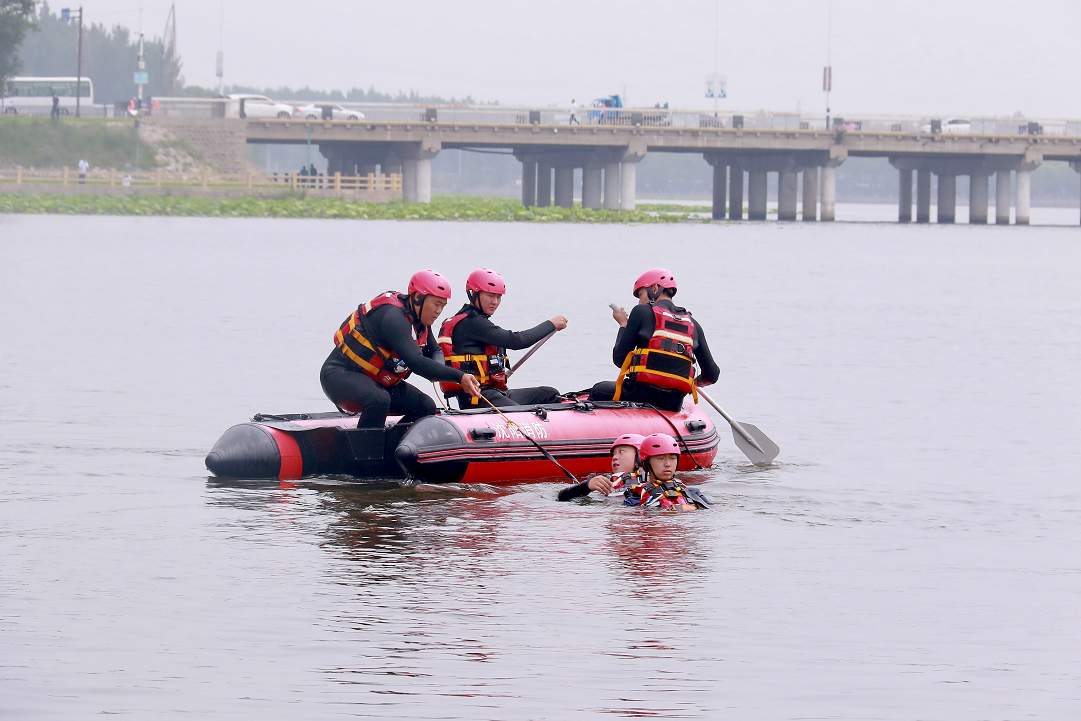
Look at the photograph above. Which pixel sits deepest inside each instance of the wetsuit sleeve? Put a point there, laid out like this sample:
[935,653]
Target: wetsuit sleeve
[710,370]
[397,333]
[639,320]
[482,331]
[577,491]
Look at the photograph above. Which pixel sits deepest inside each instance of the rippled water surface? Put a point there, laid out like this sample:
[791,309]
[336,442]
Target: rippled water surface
[913,555]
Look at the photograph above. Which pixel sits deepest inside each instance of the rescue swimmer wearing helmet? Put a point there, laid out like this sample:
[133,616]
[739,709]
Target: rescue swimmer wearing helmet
[472,342]
[656,348]
[625,470]
[380,344]
[658,486]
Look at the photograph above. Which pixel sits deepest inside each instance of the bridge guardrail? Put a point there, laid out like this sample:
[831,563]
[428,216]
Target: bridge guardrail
[646,117]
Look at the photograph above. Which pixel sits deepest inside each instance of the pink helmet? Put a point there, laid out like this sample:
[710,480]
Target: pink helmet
[658,276]
[657,444]
[628,439]
[485,280]
[428,282]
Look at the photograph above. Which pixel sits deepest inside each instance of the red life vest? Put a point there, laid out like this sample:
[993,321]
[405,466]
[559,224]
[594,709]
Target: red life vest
[489,368]
[384,366]
[668,360]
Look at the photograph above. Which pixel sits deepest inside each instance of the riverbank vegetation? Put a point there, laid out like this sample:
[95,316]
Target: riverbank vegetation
[446,208]
[43,143]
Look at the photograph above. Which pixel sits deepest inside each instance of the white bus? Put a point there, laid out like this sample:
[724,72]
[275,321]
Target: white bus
[34,96]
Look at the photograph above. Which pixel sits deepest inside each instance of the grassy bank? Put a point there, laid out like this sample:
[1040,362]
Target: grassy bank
[41,143]
[441,208]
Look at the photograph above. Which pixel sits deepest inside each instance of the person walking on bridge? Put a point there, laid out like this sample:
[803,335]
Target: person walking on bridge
[574,113]
[656,348]
[380,344]
[472,342]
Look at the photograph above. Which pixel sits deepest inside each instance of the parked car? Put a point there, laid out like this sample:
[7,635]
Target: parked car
[952,125]
[259,106]
[311,111]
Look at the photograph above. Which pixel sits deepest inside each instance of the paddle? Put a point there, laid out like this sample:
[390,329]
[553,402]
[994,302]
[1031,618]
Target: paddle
[534,349]
[755,444]
[532,440]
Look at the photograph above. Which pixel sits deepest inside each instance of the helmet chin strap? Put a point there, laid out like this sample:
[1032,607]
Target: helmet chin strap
[415,306]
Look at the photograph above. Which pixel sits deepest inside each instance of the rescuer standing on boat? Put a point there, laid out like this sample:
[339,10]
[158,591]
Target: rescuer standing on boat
[472,342]
[380,344]
[656,348]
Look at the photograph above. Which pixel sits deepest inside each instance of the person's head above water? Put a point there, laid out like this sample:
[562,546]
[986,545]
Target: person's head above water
[428,295]
[660,455]
[485,289]
[656,283]
[625,453]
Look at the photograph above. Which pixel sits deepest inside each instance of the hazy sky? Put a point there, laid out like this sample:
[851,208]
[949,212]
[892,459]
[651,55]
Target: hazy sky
[940,57]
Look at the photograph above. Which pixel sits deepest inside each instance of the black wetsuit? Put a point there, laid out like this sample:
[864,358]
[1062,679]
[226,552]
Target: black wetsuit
[349,388]
[640,326]
[476,331]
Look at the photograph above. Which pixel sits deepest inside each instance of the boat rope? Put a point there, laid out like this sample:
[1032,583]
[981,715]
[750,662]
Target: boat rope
[532,440]
[439,398]
[676,432]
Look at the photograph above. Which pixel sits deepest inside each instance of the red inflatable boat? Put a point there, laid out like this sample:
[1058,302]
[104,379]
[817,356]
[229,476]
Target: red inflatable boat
[472,446]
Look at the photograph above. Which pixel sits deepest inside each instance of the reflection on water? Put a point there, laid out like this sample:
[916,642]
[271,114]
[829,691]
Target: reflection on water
[912,555]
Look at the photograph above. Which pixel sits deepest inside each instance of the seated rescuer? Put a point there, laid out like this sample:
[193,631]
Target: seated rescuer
[380,344]
[656,348]
[659,455]
[473,343]
[624,465]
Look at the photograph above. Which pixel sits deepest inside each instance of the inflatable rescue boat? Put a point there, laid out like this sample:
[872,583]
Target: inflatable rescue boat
[470,446]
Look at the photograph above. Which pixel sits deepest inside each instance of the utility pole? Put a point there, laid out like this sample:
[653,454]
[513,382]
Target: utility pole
[65,15]
[221,49]
[827,72]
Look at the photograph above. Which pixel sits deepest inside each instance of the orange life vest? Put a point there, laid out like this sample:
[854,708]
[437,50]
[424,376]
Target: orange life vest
[668,360]
[384,366]
[489,368]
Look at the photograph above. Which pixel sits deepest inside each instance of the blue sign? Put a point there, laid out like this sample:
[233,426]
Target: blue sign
[142,78]
[65,15]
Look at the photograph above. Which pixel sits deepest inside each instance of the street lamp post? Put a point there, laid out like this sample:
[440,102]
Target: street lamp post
[65,15]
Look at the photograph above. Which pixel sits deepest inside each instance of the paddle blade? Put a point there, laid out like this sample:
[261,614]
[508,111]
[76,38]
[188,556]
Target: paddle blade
[757,457]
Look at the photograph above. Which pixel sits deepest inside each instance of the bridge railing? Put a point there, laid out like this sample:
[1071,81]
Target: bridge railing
[646,117]
[203,178]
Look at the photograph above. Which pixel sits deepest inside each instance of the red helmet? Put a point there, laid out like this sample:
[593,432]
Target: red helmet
[428,282]
[485,280]
[628,439]
[658,444]
[658,276]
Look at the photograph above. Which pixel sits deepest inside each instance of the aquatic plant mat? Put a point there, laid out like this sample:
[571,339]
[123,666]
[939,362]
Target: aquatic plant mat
[441,208]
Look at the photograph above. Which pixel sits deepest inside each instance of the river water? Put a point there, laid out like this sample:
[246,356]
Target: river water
[912,555]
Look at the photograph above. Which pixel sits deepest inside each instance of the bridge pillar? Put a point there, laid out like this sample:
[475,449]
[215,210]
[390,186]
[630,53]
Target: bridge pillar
[529,183]
[757,187]
[977,198]
[787,193]
[810,193]
[628,175]
[829,192]
[564,187]
[1002,197]
[720,188]
[923,196]
[904,198]
[947,198]
[592,182]
[544,184]
[1024,188]
[611,186]
[735,194]
[409,180]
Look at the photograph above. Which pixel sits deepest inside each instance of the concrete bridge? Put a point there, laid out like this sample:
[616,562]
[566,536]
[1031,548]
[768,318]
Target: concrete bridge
[550,146]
